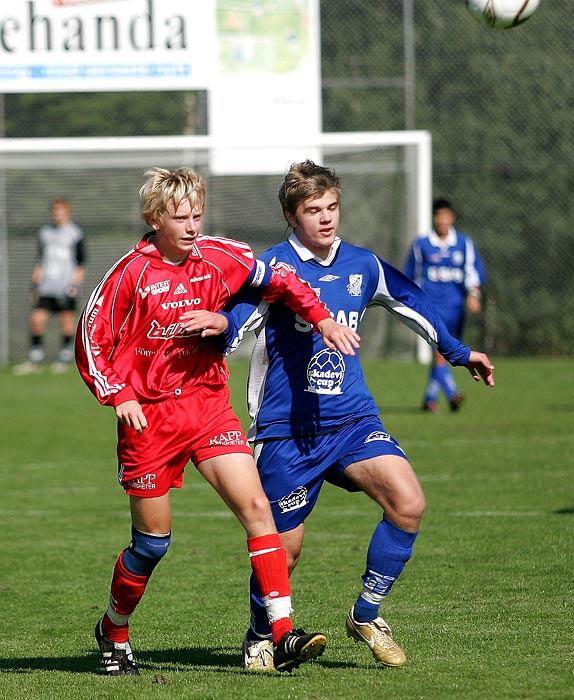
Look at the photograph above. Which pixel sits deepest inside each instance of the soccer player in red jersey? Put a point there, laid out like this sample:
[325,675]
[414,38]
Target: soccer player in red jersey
[167,381]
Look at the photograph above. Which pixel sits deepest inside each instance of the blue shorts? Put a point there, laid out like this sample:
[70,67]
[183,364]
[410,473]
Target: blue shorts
[293,470]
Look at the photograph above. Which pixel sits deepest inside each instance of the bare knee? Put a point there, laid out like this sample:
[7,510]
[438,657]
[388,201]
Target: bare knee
[416,507]
[407,513]
[67,322]
[38,320]
[256,515]
[292,540]
[292,560]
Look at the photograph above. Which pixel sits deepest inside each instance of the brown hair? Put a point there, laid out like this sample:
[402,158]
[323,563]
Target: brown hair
[306,180]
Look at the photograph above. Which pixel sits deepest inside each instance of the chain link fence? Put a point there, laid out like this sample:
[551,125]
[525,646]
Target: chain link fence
[385,177]
[498,105]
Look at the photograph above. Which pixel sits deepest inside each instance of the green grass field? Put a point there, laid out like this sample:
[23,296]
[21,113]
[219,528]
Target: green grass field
[483,610]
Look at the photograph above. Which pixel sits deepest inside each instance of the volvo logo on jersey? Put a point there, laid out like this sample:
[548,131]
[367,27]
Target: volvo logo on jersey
[325,373]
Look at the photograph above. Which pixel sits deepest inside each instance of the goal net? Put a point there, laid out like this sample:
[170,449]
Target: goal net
[386,179]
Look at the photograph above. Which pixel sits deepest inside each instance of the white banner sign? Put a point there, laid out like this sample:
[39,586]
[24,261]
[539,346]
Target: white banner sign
[257,60]
[267,87]
[106,45]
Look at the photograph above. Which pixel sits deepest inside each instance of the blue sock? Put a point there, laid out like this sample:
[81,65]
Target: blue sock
[446,380]
[433,386]
[389,550]
[259,620]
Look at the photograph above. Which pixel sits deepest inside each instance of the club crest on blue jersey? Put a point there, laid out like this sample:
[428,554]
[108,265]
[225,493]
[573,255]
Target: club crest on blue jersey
[378,435]
[382,436]
[355,284]
[296,499]
[325,373]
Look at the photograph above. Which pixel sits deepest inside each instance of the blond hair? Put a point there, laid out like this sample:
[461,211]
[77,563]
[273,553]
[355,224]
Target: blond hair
[170,186]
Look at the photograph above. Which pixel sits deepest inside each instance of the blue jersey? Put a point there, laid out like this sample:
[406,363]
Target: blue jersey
[446,270]
[297,386]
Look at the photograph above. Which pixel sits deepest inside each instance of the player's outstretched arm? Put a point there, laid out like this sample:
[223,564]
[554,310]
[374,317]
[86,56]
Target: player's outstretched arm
[480,367]
[336,336]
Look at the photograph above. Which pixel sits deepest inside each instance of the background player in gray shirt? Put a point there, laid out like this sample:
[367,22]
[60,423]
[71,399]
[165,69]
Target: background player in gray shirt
[56,281]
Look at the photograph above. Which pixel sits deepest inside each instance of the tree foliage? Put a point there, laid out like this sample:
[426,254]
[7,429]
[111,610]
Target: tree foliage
[498,106]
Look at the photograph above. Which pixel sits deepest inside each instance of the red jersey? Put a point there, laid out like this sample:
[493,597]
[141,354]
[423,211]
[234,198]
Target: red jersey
[130,342]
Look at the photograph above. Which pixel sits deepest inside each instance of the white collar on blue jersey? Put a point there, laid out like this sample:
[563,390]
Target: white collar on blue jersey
[449,241]
[305,254]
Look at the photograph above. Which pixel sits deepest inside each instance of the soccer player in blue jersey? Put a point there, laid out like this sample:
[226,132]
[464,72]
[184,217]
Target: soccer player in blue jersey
[446,265]
[313,417]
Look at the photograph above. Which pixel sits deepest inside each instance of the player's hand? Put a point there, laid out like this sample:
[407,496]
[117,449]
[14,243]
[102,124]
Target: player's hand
[130,413]
[205,323]
[480,367]
[473,304]
[336,336]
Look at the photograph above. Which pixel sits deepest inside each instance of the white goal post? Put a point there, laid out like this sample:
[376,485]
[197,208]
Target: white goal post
[387,192]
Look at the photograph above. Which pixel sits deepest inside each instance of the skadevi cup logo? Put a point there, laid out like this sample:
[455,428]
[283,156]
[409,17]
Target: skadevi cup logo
[325,373]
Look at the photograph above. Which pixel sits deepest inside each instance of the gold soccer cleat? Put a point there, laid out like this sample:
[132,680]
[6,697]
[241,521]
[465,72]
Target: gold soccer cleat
[258,655]
[378,636]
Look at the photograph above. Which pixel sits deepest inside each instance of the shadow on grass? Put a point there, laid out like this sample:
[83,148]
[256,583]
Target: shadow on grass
[217,659]
[74,664]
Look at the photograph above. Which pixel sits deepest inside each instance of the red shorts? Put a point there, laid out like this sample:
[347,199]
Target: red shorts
[194,427]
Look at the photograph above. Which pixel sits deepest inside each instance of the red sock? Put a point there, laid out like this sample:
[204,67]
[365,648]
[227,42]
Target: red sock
[269,564]
[126,592]
[115,633]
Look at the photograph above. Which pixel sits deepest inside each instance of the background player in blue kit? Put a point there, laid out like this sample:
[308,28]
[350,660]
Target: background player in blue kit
[313,417]
[447,266]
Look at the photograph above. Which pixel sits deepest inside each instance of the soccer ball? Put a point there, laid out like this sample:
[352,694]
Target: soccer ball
[502,14]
